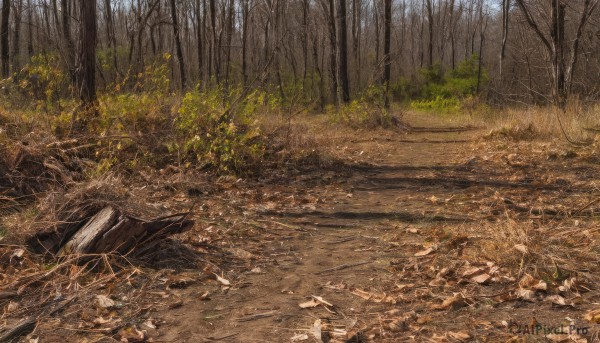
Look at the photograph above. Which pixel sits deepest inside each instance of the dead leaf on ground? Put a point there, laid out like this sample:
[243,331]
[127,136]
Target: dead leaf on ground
[525,294]
[437,282]
[299,338]
[593,316]
[131,334]
[103,301]
[425,252]
[461,336]
[558,300]
[454,302]
[481,279]
[471,272]
[223,281]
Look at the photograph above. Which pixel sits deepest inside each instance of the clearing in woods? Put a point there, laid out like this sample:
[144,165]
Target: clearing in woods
[443,234]
[408,247]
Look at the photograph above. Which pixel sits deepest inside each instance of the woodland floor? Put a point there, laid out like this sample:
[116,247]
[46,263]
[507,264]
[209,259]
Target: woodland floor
[403,241]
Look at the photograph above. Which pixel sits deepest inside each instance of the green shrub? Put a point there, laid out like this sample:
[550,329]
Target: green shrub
[439,104]
[446,91]
[212,134]
[368,110]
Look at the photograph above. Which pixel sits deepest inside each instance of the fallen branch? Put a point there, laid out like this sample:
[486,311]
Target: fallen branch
[343,266]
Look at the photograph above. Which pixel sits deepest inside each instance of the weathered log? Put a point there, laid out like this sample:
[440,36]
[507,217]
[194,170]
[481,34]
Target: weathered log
[112,231]
[22,328]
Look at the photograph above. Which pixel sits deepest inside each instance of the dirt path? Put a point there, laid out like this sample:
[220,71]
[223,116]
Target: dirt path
[342,243]
[355,240]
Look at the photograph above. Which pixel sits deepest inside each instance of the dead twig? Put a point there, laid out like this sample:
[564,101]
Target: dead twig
[343,266]
[257,316]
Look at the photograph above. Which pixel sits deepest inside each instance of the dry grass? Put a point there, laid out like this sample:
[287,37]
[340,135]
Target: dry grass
[549,251]
[577,123]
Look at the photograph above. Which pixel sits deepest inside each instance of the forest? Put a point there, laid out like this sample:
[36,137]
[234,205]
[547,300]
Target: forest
[299,171]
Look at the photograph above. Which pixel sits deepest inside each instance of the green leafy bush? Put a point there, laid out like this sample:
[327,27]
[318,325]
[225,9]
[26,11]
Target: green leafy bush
[211,133]
[446,91]
[368,110]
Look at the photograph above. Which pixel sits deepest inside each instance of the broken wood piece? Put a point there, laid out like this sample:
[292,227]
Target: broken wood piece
[110,230]
[22,328]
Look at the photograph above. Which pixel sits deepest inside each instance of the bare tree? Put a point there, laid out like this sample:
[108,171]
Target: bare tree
[344,91]
[554,42]
[86,71]
[4,32]
[178,48]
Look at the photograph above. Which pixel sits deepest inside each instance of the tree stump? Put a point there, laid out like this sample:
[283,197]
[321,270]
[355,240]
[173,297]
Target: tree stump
[110,231]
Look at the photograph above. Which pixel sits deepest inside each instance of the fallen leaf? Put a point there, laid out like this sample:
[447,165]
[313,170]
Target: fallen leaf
[299,338]
[541,286]
[461,336]
[481,279]
[593,316]
[525,294]
[131,334]
[413,230]
[473,271]
[425,252]
[149,324]
[558,300]
[527,281]
[437,282]
[17,254]
[103,301]
[454,302]
[223,281]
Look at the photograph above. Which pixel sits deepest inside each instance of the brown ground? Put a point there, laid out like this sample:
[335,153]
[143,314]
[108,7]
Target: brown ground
[389,242]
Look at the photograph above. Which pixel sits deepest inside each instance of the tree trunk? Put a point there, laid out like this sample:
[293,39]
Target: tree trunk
[87,52]
[430,41]
[215,46]
[343,52]
[66,33]
[387,41]
[4,32]
[333,50]
[199,41]
[178,49]
[557,34]
[16,51]
[386,49]
[30,51]
[505,22]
